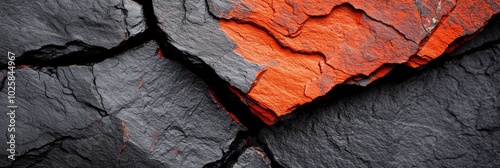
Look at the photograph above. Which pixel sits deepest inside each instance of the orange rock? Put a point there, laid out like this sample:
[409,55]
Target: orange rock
[464,20]
[309,46]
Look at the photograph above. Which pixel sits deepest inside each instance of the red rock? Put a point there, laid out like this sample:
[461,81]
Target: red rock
[309,46]
[466,19]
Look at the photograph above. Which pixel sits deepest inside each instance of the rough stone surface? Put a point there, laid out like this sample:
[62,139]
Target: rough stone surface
[444,117]
[156,114]
[193,30]
[490,34]
[113,100]
[134,19]
[30,25]
[305,48]
[308,47]
[253,157]
[167,111]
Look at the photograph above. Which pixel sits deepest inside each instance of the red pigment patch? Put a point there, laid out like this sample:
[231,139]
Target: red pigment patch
[308,47]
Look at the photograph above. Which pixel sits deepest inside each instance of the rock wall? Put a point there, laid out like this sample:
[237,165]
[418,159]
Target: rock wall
[218,83]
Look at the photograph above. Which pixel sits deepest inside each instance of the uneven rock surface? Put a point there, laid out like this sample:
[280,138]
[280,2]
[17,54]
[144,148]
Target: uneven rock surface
[135,110]
[305,48]
[444,117]
[43,27]
[253,157]
[193,30]
[309,47]
[240,83]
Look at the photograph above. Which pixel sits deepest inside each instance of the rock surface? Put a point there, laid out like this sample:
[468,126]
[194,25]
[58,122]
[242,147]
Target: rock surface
[135,110]
[193,30]
[444,117]
[34,25]
[305,48]
[95,90]
[308,47]
[253,158]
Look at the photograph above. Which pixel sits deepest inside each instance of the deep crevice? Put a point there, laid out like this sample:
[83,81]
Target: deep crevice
[234,105]
[237,147]
[77,53]
[229,100]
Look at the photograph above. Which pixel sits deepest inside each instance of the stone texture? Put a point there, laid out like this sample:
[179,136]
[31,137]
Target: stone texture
[253,157]
[464,20]
[138,109]
[166,110]
[443,117]
[156,114]
[30,25]
[305,48]
[194,31]
[490,34]
[308,47]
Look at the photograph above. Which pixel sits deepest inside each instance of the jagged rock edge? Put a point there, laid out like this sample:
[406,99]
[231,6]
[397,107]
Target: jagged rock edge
[86,55]
[228,99]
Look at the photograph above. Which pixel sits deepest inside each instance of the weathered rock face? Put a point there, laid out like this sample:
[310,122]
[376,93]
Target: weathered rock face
[117,83]
[135,110]
[312,54]
[253,157]
[305,48]
[163,106]
[447,117]
[196,32]
[50,25]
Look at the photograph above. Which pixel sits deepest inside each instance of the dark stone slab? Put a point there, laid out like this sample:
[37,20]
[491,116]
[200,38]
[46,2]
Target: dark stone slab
[156,114]
[167,111]
[443,117]
[31,25]
[253,157]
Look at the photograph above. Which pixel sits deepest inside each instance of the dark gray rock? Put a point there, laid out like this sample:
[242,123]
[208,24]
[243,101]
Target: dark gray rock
[29,25]
[134,19]
[221,8]
[157,114]
[101,144]
[194,30]
[167,111]
[140,110]
[443,117]
[48,108]
[253,157]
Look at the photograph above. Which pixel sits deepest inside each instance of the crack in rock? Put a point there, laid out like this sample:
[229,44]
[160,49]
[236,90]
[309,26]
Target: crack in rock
[154,113]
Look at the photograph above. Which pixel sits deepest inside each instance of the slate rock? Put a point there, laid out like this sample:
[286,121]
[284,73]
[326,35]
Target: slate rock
[48,108]
[30,25]
[443,117]
[133,110]
[193,30]
[253,157]
[166,110]
[305,48]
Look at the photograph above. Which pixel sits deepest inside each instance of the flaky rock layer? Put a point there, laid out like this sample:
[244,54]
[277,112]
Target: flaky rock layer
[308,47]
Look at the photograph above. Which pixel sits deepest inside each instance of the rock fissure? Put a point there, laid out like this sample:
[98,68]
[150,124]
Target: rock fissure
[77,53]
[260,119]
[220,90]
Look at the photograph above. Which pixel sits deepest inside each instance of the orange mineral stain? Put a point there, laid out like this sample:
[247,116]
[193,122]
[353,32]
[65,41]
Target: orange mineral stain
[308,46]
[126,137]
[467,18]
